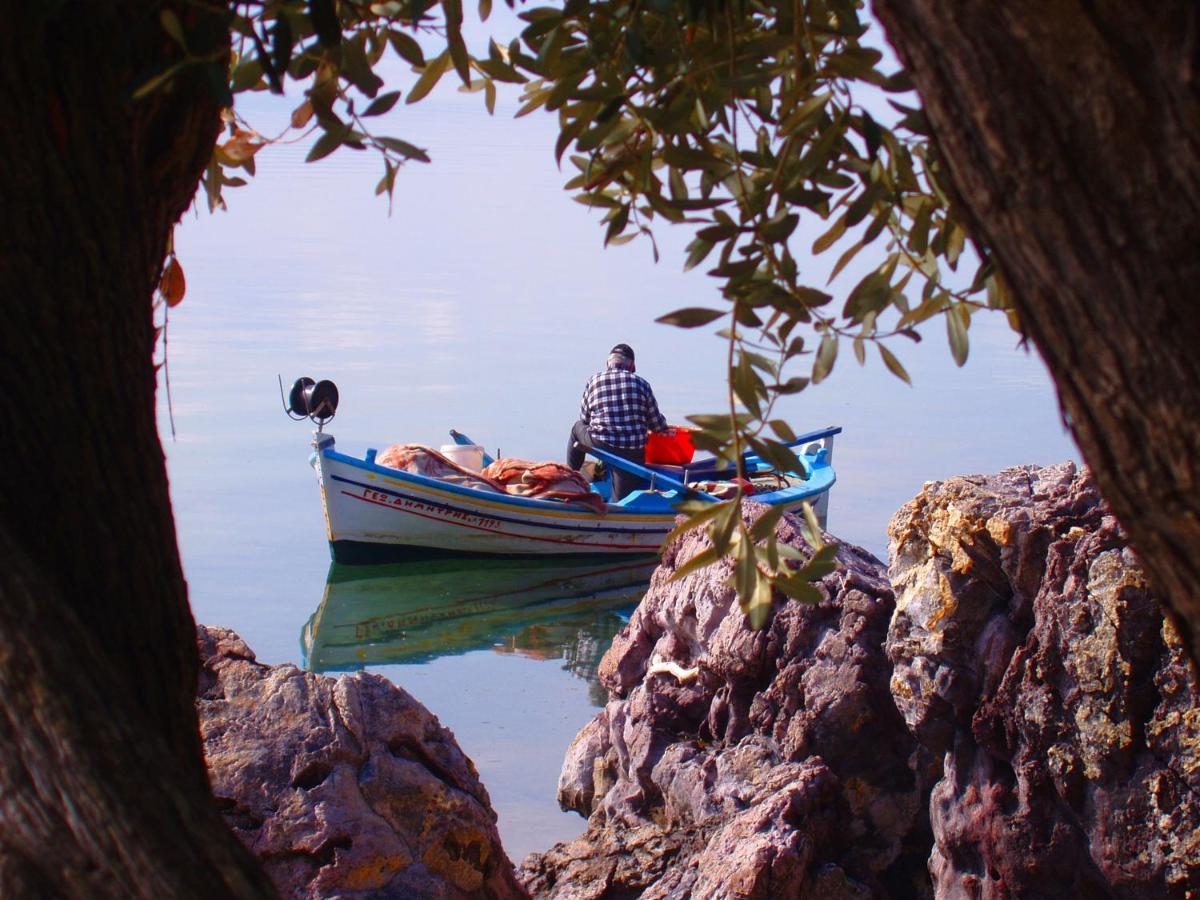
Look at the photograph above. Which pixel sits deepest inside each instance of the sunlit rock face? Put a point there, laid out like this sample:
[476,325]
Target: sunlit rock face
[344,787]
[1031,657]
[778,768]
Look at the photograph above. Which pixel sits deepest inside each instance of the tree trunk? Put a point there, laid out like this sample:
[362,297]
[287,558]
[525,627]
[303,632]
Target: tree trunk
[103,790]
[1071,131]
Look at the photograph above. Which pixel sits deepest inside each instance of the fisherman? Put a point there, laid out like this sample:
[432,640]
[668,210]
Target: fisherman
[617,410]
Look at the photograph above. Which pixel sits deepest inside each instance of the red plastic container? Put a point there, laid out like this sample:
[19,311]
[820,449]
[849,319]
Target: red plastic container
[671,448]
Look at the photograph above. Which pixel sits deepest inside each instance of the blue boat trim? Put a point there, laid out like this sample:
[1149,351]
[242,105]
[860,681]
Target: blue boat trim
[814,486]
[641,517]
[704,469]
[360,553]
[664,507]
[600,526]
[441,561]
[569,541]
[820,479]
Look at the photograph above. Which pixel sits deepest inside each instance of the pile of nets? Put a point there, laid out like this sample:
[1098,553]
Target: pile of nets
[540,480]
[545,480]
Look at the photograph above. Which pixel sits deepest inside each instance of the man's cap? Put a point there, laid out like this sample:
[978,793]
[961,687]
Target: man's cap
[624,350]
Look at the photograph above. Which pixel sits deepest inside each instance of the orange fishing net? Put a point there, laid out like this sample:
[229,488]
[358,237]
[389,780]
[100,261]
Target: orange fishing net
[543,480]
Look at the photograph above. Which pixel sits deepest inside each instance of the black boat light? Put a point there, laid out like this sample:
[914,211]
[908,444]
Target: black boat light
[308,399]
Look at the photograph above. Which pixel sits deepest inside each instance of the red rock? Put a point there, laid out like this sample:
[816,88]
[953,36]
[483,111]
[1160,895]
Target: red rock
[781,769]
[344,787]
[1031,653]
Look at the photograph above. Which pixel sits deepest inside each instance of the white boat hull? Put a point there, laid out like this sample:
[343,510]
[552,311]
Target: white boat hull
[373,513]
[364,507]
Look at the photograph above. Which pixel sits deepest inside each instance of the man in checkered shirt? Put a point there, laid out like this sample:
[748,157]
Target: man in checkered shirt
[617,410]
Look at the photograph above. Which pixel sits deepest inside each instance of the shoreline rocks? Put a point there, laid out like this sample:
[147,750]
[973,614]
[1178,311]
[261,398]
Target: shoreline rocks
[782,766]
[1031,655]
[344,786]
[1023,724]
[1003,712]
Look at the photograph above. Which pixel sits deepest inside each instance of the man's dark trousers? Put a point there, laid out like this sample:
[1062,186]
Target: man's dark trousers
[623,482]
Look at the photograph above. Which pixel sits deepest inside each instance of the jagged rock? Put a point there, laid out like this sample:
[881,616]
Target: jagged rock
[781,769]
[1030,652]
[344,787]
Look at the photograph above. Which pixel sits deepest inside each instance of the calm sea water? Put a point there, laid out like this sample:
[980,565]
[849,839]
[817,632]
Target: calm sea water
[483,303]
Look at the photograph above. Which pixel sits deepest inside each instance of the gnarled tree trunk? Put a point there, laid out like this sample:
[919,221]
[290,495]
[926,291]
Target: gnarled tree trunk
[103,790]
[1072,136]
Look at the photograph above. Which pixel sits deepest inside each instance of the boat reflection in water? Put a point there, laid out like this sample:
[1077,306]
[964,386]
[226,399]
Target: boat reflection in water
[416,611]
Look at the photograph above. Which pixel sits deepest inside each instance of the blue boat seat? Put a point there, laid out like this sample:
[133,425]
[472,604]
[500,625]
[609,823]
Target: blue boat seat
[701,470]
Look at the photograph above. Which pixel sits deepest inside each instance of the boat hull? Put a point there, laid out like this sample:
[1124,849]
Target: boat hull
[378,514]
[372,515]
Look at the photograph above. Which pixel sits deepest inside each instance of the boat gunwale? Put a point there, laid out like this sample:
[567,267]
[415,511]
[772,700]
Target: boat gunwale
[615,512]
[514,500]
[583,524]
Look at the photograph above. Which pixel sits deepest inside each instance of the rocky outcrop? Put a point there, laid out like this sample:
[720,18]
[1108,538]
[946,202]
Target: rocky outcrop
[1028,726]
[1047,739]
[738,763]
[1032,658]
[344,787]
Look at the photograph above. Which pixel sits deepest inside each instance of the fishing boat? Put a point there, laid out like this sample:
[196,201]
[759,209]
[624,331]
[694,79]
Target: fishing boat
[375,512]
[419,610]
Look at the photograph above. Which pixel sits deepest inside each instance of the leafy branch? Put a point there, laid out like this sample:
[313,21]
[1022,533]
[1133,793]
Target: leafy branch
[742,120]
[739,119]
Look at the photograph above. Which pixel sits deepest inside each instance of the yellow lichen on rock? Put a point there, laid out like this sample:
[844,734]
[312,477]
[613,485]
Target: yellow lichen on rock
[373,873]
[947,605]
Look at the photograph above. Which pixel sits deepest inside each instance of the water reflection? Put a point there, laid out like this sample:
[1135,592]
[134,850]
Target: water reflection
[417,611]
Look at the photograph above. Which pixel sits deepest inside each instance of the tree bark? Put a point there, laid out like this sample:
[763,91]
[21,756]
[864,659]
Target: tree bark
[1071,132]
[103,790]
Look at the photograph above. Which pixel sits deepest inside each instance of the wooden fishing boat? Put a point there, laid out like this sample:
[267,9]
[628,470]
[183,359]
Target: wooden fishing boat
[374,513]
[422,609]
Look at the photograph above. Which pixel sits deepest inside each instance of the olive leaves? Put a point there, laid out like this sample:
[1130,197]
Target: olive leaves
[743,121]
[756,125]
[334,51]
[761,563]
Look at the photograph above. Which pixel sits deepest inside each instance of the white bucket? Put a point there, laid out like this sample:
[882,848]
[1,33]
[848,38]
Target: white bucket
[469,456]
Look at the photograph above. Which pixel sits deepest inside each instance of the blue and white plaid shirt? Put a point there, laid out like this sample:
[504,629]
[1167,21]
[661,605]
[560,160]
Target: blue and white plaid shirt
[618,407]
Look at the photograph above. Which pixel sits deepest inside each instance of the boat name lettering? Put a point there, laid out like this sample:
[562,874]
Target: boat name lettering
[417,506]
